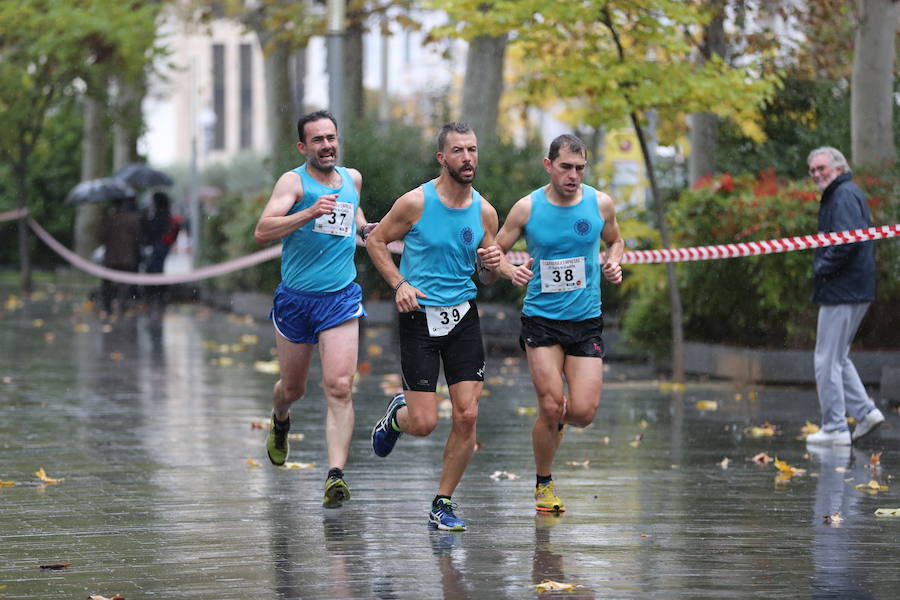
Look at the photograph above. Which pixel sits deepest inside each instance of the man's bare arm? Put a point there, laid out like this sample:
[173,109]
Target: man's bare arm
[612,238]
[275,222]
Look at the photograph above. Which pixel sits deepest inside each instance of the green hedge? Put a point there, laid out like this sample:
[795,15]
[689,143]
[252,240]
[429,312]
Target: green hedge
[760,301]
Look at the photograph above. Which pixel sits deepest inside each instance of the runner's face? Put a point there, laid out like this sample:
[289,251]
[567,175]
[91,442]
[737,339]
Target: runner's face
[566,172]
[821,171]
[460,156]
[321,146]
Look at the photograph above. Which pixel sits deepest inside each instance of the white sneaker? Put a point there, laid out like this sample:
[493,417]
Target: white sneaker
[868,424]
[829,438]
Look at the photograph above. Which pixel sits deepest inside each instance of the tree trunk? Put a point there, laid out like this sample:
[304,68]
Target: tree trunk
[872,88]
[704,127]
[483,86]
[298,81]
[93,165]
[354,93]
[128,123]
[281,116]
[674,294]
[20,172]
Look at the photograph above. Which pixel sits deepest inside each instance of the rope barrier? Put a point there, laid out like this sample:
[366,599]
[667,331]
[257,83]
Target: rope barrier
[789,244]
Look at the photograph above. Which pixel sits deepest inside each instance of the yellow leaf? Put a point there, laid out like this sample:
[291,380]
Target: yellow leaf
[7,483]
[707,405]
[267,366]
[375,350]
[764,430]
[249,338]
[738,397]
[526,410]
[809,428]
[297,465]
[37,323]
[252,462]
[873,487]
[555,586]
[42,475]
[643,424]
[82,328]
[887,512]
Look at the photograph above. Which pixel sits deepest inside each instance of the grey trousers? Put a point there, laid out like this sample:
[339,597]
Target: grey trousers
[841,392]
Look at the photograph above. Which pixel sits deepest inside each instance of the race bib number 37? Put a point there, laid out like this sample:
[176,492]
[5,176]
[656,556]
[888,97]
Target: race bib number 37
[442,319]
[562,275]
[337,222]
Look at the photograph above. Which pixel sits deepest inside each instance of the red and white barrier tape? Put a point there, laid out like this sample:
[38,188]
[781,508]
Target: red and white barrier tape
[802,242]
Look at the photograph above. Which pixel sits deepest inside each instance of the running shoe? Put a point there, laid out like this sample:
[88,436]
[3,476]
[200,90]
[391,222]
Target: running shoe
[546,499]
[384,436]
[442,517]
[336,492]
[277,445]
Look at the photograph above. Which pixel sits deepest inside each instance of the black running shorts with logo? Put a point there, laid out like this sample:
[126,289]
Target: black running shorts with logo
[577,338]
[461,351]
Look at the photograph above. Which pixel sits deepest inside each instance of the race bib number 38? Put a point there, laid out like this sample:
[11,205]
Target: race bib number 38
[562,275]
[442,319]
[337,222]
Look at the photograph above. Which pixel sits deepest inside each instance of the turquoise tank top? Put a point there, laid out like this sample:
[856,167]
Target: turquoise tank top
[566,285]
[439,250]
[322,261]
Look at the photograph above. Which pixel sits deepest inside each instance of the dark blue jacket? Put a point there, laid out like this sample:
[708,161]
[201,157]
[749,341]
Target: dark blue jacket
[844,274]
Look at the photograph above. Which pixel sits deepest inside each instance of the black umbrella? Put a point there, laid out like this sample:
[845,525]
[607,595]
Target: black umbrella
[100,190]
[141,176]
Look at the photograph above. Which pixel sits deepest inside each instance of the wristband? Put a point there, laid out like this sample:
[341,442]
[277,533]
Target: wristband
[397,287]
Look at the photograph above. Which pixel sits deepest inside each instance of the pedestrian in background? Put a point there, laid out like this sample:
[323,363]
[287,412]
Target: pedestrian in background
[160,231]
[314,210]
[121,232]
[843,287]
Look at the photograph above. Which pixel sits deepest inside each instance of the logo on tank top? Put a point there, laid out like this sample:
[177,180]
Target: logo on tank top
[582,227]
[466,235]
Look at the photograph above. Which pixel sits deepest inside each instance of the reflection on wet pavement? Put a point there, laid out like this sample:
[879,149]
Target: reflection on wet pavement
[150,422]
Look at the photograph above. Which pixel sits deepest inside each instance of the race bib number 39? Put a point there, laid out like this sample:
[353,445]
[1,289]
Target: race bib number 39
[337,222]
[442,319]
[562,275]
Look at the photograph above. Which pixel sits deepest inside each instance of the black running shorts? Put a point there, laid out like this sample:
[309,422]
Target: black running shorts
[461,351]
[577,338]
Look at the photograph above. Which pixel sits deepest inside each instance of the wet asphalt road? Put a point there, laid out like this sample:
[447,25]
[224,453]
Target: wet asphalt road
[166,491]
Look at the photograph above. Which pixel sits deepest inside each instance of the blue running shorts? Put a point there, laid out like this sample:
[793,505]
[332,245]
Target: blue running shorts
[300,316]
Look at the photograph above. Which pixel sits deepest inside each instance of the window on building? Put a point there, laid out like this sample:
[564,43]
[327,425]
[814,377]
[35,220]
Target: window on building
[218,90]
[246,101]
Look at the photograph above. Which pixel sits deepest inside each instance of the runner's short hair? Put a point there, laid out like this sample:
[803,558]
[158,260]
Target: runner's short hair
[309,118]
[566,140]
[454,127]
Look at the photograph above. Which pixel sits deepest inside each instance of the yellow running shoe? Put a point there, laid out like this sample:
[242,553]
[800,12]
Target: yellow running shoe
[546,499]
[336,492]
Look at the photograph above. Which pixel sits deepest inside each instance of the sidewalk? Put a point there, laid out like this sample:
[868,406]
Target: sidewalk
[166,491]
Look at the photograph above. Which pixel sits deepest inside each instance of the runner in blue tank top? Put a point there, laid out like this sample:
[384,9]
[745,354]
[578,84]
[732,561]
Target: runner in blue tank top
[442,224]
[563,223]
[314,210]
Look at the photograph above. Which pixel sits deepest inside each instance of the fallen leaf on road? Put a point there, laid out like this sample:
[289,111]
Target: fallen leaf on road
[375,350]
[833,519]
[249,338]
[724,463]
[498,475]
[267,366]
[252,463]
[808,429]
[574,463]
[706,405]
[873,487]
[42,475]
[786,469]
[762,458]
[7,483]
[56,566]
[526,410]
[887,512]
[636,440]
[764,430]
[116,597]
[555,586]
[297,465]
[875,459]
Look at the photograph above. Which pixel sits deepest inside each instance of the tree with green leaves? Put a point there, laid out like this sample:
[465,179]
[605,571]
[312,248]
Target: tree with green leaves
[611,62]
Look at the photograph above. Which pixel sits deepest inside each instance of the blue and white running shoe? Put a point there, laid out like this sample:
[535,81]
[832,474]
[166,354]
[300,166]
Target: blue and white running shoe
[384,436]
[442,517]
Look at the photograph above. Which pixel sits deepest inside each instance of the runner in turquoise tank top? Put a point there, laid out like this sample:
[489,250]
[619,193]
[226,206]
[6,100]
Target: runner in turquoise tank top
[443,224]
[314,210]
[563,223]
